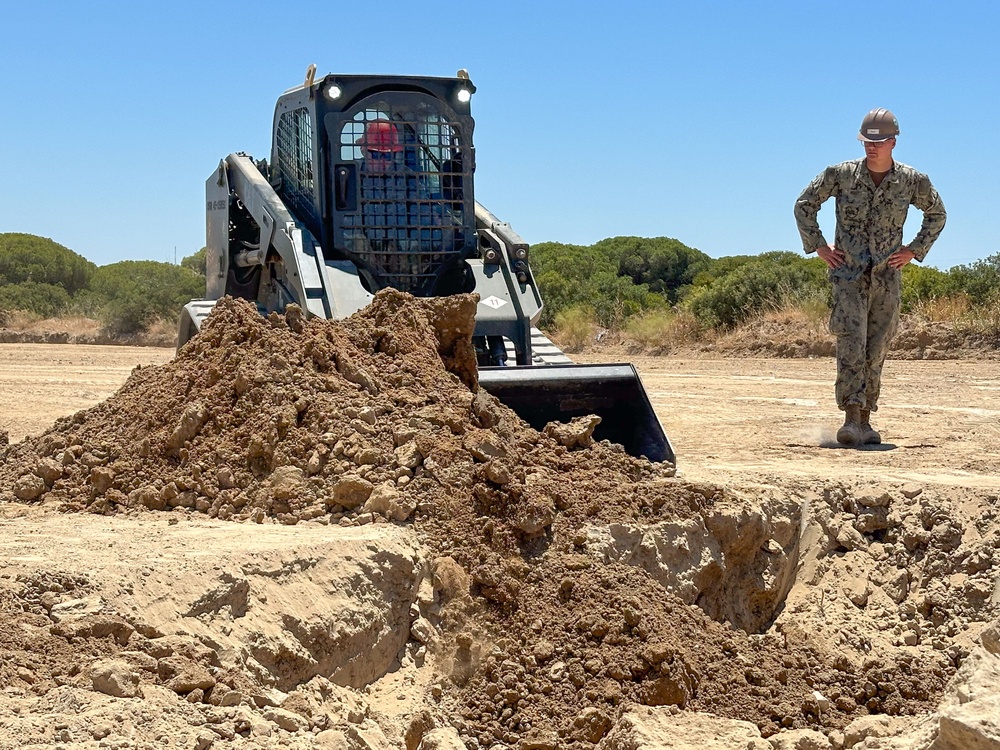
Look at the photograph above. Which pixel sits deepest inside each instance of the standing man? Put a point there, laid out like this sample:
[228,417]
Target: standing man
[866,260]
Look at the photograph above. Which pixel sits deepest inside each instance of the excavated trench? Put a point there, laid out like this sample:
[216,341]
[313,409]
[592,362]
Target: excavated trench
[543,581]
[737,564]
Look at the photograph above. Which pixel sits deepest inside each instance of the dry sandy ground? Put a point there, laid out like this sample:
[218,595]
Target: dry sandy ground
[41,382]
[939,420]
[750,426]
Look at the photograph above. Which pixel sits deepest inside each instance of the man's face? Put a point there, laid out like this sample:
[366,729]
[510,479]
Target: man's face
[380,161]
[880,151]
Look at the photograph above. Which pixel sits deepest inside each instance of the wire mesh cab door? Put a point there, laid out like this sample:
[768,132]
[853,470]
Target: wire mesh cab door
[401,201]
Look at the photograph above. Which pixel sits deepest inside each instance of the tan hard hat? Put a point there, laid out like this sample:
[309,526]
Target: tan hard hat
[879,125]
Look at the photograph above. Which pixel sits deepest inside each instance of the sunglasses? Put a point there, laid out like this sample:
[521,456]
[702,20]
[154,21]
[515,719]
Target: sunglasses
[381,154]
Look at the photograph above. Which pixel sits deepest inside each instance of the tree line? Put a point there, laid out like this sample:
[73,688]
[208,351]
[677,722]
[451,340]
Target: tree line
[620,278]
[610,283]
[43,278]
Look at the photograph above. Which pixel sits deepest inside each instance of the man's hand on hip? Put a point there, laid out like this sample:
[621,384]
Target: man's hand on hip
[901,257]
[831,256]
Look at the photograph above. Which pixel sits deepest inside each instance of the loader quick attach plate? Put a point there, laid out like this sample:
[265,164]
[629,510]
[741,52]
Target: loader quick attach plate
[557,393]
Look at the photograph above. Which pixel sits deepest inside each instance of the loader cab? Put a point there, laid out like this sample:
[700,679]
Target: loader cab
[380,170]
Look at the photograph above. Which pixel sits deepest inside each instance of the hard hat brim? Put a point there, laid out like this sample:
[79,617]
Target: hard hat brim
[866,139]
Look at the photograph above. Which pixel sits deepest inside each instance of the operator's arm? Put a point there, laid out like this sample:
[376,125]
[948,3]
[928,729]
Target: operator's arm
[927,200]
[807,208]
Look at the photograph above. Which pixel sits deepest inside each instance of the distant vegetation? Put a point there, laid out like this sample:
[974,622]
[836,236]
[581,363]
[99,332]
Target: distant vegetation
[42,278]
[658,290]
[652,291]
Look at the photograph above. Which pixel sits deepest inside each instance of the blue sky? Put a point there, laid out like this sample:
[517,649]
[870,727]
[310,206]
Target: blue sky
[699,121]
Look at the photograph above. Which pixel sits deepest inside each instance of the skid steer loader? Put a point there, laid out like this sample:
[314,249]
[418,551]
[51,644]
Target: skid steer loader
[370,185]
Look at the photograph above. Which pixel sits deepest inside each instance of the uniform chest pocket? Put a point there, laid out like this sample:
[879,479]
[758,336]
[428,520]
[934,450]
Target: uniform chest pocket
[852,214]
[896,207]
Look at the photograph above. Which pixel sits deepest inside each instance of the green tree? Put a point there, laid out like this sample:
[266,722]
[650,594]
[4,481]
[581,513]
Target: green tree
[44,300]
[663,264]
[134,293]
[25,257]
[720,268]
[587,276]
[764,282]
[566,276]
[576,262]
[196,262]
[980,280]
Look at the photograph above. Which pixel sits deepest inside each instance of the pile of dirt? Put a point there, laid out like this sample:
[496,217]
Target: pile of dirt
[543,634]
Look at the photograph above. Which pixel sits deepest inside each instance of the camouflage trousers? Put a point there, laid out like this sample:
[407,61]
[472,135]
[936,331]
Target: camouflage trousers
[864,319]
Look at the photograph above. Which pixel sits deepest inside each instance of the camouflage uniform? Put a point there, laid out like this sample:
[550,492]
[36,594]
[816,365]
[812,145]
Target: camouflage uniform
[866,289]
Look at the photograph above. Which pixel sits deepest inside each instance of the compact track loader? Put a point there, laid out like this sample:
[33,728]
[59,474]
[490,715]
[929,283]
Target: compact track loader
[370,185]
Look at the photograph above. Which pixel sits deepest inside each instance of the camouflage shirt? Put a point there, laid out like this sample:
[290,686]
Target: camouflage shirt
[869,219]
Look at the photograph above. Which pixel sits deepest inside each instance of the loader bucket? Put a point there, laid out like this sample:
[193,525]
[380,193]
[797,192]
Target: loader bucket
[556,393]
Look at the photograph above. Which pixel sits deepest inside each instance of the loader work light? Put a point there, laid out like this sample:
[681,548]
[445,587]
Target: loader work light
[334,92]
[464,95]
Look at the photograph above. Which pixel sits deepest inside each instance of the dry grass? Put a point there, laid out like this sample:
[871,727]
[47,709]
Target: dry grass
[82,330]
[959,311]
[576,327]
[796,329]
[942,309]
[810,317]
[943,327]
[658,331]
[161,333]
[73,325]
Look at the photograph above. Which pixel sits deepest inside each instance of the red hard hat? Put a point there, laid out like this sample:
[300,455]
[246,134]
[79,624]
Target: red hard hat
[380,135]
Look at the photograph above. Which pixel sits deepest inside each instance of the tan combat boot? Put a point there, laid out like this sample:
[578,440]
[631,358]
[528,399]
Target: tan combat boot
[868,434]
[850,433]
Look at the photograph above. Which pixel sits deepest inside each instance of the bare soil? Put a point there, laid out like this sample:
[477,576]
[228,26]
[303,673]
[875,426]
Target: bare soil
[771,418]
[544,587]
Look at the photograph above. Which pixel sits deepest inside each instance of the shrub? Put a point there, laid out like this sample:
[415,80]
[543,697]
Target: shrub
[44,300]
[576,327]
[980,280]
[764,283]
[921,283]
[616,299]
[658,330]
[196,262]
[134,293]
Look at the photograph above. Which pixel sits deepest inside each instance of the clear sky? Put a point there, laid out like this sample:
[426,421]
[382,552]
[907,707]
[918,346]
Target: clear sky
[697,120]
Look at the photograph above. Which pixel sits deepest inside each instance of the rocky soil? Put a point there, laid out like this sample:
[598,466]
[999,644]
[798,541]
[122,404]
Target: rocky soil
[312,534]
